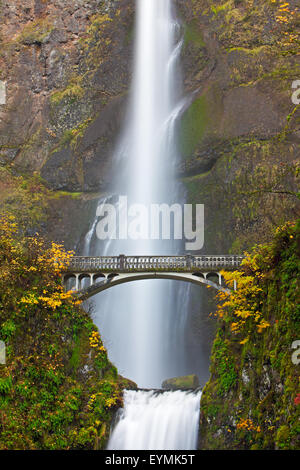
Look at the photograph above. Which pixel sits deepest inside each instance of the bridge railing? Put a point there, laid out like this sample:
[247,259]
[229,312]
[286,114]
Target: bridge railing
[151,263]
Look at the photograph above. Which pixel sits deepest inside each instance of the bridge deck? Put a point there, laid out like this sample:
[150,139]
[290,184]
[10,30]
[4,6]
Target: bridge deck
[126,264]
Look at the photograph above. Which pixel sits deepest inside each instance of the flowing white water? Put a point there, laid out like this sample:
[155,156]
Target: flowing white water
[157,421]
[143,324]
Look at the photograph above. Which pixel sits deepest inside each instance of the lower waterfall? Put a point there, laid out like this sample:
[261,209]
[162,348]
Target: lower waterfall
[157,420]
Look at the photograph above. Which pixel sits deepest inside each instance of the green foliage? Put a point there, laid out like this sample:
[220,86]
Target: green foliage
[71,136]
[212,411]
[283,437]
[72,93]
[252,396]
[58,389]
[216,9]
[5,385]
[36,32]
[225,368]
[8,329]
[24,197]
[192,35]
[193,126]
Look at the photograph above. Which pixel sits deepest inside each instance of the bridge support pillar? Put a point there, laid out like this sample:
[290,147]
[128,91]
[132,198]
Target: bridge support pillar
[122,261]
[77,282]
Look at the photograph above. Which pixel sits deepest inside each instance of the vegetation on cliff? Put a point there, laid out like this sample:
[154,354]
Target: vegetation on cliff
[240,136]
[57,389]
[252,398]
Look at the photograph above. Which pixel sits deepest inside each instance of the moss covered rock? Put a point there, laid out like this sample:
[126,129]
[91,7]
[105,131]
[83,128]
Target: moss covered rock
[186,382]
[251,400]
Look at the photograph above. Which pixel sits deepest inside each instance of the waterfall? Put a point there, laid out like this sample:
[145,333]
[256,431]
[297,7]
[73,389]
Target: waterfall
[143,324]
[157,421]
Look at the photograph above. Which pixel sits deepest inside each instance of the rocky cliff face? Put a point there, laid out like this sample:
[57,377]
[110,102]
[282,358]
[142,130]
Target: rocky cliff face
[240,135]
[66,65]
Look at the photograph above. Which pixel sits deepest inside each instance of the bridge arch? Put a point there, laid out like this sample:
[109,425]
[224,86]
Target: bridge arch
[114,279]
[214,276]
[112,275]
[199,274]
[69,281]
[98,277]
[104,272]
[85,280]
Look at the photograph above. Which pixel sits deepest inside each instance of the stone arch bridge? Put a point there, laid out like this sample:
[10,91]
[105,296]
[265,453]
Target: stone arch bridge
[87,276]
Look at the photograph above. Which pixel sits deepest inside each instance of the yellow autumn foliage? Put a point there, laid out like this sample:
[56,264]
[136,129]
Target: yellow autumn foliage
[247,425]
[30,257]
[245,304]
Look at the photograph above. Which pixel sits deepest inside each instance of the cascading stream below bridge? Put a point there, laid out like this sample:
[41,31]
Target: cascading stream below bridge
[157,420]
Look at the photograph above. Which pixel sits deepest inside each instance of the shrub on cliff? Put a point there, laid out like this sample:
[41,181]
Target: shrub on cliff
[57,389]
[252,398]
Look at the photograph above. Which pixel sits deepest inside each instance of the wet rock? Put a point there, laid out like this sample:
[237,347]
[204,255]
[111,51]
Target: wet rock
[181,383]
[245,377]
